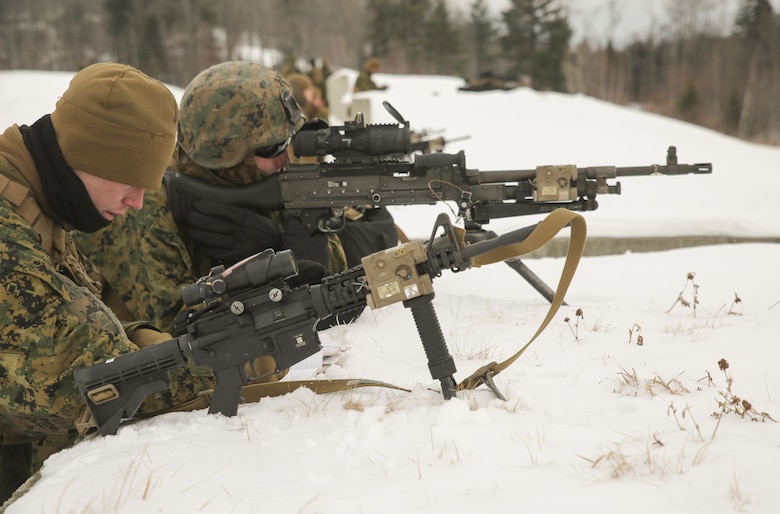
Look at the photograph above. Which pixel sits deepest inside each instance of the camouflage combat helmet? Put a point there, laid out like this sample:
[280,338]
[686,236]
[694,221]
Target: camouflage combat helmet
[233,108]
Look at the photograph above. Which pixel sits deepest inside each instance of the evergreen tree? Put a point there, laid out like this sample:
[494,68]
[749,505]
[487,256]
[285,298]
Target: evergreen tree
[756,21]
[551,55]
[412,32]
[443,47]
[757,28]
[482,34]
[120,17]
[151,52]
[536,41]
[381,26]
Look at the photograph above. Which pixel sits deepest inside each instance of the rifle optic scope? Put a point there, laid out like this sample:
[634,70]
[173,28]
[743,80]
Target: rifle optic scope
[254,271]
[353,139]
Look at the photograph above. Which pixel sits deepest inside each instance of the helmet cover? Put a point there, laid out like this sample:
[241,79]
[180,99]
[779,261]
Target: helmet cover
[232,108]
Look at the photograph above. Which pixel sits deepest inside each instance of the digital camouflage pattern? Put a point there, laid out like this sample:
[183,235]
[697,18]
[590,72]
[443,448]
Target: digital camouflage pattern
[50,325]
[232,108]
[144,258]
[143,255]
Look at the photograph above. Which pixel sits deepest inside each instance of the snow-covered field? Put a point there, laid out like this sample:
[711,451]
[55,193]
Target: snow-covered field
[593,420]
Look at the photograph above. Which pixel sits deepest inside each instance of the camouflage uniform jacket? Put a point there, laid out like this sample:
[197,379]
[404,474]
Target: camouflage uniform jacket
[144,258]
[53,319]
[147,260]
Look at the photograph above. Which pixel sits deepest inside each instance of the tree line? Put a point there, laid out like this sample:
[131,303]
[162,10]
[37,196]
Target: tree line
[727,80]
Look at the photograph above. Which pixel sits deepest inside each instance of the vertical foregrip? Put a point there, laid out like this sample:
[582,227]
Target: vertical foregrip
[440,362]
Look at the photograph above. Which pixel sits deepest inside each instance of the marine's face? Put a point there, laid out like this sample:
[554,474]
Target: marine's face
[268,166]
[111,198]
[272,158]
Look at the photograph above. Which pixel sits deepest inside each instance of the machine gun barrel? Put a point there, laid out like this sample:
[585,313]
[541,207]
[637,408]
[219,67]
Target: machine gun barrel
[595,172]
[677,169]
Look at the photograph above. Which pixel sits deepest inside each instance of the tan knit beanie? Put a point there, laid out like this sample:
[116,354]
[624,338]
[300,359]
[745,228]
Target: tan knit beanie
[117,123]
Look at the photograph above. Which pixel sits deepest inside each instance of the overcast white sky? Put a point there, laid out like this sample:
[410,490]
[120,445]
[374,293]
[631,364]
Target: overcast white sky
[627,19]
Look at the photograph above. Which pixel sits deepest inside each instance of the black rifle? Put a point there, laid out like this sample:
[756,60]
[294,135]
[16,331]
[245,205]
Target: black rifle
[251,311]
[371,166]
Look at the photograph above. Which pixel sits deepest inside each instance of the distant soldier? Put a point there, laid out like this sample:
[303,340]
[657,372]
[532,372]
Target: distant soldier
[290,66]
[487,81]
[308,97]
[319,74]
[365,82]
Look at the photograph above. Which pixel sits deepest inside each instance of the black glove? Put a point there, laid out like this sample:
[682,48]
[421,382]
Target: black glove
[304,244]
[226,234]
[374,232]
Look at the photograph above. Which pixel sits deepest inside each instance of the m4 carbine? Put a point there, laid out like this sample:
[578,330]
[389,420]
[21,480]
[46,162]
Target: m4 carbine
[251,311]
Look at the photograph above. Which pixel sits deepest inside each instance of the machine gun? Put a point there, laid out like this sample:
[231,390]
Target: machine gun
[371,166]
[368,169]
[251,311]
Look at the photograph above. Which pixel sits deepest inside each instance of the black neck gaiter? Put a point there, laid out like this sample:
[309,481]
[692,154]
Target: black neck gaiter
[64,190]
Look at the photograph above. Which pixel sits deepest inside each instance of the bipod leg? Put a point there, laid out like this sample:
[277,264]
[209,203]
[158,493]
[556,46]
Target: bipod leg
[475,233]
[532,278]
[487,379]
[440,362]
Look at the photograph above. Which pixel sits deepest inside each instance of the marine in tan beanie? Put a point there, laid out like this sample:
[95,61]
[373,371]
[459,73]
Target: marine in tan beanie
[110,138]
[117,123]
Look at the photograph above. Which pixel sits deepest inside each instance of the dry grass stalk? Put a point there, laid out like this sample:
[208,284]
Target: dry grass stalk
[627,378]
[736,302]
[673,386]
[685,412]
[636,329]
[681,299]
[728,402]
[576,329]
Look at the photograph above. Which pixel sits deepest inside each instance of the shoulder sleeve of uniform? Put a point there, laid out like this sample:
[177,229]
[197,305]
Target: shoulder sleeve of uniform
[20,248]
[144,258]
